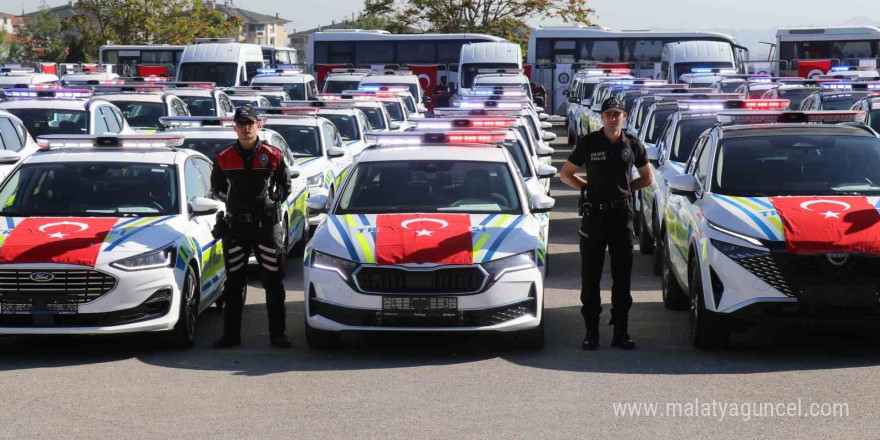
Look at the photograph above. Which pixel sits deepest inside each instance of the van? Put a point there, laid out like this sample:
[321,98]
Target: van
[686,57]
[220,61]
[482,56]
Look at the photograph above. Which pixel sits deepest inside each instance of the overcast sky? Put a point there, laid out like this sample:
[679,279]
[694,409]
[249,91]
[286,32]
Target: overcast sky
[747,17]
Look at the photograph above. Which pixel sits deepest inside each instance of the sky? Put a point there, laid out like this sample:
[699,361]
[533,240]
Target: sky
[750,20]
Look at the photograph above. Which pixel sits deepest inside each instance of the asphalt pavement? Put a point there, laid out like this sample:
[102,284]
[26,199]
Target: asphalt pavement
[450,386]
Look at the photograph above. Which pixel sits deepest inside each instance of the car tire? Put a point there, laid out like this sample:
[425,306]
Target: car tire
[673,295]
[533,338]
[184,333]
[320,339]
[707,331]
[646,245]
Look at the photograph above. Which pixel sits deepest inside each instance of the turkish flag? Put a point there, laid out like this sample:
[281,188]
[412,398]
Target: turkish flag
[146,71]
[427,75]
[815,225]
[90,67]
[811,68]
[322,70]
[424,238]
[56,240]
[49,68]
[527,71]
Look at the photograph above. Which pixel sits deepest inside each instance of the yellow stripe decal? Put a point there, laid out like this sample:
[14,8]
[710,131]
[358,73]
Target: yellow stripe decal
[368,253]
[350,220]
[480,242]
[501,220]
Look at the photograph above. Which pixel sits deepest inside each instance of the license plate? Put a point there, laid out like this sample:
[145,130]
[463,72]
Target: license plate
[838,295]
[419,305]
[46,309]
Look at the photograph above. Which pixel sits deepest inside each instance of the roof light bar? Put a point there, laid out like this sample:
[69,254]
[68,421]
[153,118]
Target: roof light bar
[299,111]
[129,89]
[493,112]
[723,71]
[696,96]
[51,142]
[350,71]
[378,88]
[437,138]
[463,122]
[197,121]
[279,71]
[188,85]
[599,72]
[144,79]
[779,117]
[743,104]
[48,93]
[501,70]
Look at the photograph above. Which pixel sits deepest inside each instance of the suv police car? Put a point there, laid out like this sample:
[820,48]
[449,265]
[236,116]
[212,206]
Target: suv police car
[143,105]
[64,111]
[201,98]
[295,83]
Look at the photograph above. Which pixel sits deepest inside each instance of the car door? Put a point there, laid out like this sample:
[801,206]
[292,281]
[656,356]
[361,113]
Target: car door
[197,177]
[688,206]
[295,205]
[338,165]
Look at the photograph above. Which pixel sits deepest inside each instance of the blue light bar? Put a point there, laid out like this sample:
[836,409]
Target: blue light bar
[48,93]
[836,86]
[842,69]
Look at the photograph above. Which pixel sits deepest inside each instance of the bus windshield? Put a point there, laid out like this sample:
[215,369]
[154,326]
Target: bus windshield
[469,71]
[222,74]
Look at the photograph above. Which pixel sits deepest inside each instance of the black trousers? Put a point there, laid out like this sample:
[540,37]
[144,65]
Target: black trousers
[600,229]
[265,243]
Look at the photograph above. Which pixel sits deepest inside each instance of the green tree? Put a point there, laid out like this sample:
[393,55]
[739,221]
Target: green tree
[504,18]
[41,35]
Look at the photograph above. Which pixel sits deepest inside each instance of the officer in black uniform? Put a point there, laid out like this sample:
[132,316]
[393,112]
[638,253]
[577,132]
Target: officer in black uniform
[606,206]
[253,178]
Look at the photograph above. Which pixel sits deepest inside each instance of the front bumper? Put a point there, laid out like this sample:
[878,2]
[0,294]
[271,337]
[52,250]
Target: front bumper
[512,303]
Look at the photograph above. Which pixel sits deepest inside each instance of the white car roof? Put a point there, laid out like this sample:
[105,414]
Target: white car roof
[134,97]
[390,79]
[338,111]
[26,78]
[434,152]
[53,103]
[305,121]
[498,78]
[190,92]
[89,76]
[277,78]
[141,155]
[344,77]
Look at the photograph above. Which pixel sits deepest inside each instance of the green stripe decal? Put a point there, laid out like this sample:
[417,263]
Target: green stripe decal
[480,242]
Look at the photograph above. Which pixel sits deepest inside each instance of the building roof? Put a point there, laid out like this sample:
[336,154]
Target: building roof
[250,16]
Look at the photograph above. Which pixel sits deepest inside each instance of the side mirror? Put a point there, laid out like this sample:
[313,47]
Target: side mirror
[653,153]
[539,109]
[586,102]
[573,99]
[682,185]
[542,150]
[204,206]
[546,125]
[426,99]
[542,203]
[394,126]
[8,157]
[335,152]
[421,108]
[295,171]
[565,93]
[548,136]
[317,204]
[545,171]
[542,116]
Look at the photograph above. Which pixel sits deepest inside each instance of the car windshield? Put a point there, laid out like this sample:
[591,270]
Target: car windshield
[730,87]
[659,121]
[519,156]
[303,141]
[875,120]
[256,101]
[297,92]
[90,189]
[222,74]
[395,111]
[628,102]
[375,117]
[686,134]
[642,114]
[796,96]
[142,114]
[790,165]
[410,104]
[208,147]
[275,100]
[200,105]
[429,186]
[346,125]
[841,101]
[413,88]
[337,86]
[42,121]
[470,71]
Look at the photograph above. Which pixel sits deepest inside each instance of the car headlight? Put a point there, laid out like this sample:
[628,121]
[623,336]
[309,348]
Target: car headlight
[316,180]
[150,260]
[736,252]
[743,237]
[341,266]
[513,263]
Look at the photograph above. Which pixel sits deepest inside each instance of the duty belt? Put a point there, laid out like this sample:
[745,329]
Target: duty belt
[609,206]
[249,217]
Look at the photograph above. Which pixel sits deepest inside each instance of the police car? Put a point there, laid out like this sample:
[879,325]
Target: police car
[705,76]
[295,83]
[838,95]
[350,122]
[143,105]
[64,111]
[871,107]
[604,90]
[428,234]
[579,93]
[109,234]
[201,98]
[210,135]
[850,73]
[16,142]
[342,79]
[396,80]
[80,78]
[668,157]
[257,96]
[376,113]
[23,78]
[775,218]
[492,78]
[794,91]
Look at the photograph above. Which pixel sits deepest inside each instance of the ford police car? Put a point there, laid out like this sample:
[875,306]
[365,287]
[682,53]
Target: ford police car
[428,234]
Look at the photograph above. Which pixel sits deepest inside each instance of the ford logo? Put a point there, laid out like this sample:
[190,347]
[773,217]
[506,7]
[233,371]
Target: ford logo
[42,277]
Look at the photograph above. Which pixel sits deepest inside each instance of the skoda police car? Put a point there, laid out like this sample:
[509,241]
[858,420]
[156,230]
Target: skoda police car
[775,217]
[428,234]
[108,234]
[64,111]
[838,95]
[350,122]
[143,105]
[201,98]
[295,83]
[376,113]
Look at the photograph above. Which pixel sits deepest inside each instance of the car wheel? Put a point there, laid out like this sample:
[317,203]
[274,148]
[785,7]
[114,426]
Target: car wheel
[646,245]
[707,332]
[673,295]
[184,333]
[320,339]
[533,338]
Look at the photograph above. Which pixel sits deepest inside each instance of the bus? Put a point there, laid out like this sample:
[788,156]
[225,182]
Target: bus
[335,48]
[815,50]
[556,53]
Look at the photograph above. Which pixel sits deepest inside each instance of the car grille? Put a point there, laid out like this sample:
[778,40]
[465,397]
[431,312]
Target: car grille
[793,274]
[395,280]
[69,286]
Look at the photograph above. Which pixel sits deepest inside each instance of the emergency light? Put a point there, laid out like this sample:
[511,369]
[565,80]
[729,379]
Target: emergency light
[722,71]
[743,104]
[694,96]
[17,70]
[349,70]
[458,111]
[781,117]
[298,111]
[501,71]
[252,90]
[269,71]
[128,89]
[46,86]
[52,142]
[844,69]
[435,138]
[495,91]
[48,93]
[188,85]
[597,72]
[490,104]
[376,88]
[197,121]
[143,79]
[470,123]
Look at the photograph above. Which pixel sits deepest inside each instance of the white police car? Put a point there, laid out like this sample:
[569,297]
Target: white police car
[775,217]
[201,98]
[350,122]
[838,95]
[428,234]
[64,111]
[22,78]
[580,92]
[342,79]
[16,142]
[295,83]
[143,105]
[871,107]
[108,235]
[86,78]
[376,113]
[210,135]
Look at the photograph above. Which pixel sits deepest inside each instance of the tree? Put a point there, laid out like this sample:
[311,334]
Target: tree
[504,18]
[41,35]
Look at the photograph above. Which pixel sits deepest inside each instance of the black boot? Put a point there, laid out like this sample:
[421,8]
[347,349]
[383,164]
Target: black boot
[621,337]
[280,341]
[228,340]
[591,340]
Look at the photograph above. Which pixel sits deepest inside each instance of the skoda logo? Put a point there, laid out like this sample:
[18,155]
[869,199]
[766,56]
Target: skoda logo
[837,258]
[42,277]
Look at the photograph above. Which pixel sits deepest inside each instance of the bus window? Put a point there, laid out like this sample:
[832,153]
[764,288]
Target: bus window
[543,53]
[449,51]
[340,52]
[374,52]
[110,57]
[564,51]
[416,52]
[852,49]
[600,50]
[642,51]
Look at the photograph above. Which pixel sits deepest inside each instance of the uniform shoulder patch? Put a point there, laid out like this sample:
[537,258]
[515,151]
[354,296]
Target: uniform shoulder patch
[275,151]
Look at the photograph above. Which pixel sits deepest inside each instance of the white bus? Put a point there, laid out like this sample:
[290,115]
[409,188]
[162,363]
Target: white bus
[799,51]
[366,48]
[478,57]
[556,53]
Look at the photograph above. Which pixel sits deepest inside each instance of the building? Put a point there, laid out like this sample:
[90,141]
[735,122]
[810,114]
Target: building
[256,28]
[7,24]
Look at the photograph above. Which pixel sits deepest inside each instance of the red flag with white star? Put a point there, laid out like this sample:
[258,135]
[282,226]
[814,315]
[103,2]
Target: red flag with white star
[56,240]
[829,224]
[424,238]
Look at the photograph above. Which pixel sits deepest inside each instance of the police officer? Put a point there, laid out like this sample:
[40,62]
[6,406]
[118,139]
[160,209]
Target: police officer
[606,206]
[253,179]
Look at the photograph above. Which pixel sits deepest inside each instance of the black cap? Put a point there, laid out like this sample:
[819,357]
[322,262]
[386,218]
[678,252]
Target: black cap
[613,104]
[245,112]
